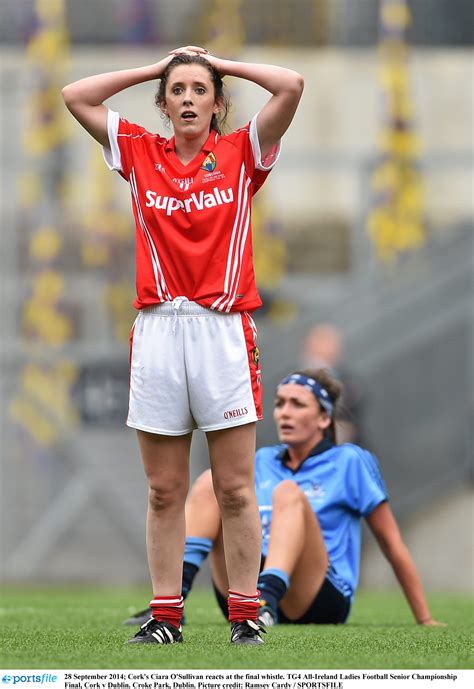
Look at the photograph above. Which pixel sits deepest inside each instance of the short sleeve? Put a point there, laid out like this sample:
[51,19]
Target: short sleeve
[111,154]
[271,158]
[246,141]
[127,142]
[365,487]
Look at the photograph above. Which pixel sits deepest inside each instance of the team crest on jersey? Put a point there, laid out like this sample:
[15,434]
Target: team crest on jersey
[316,492]
[255,355]
[209,165]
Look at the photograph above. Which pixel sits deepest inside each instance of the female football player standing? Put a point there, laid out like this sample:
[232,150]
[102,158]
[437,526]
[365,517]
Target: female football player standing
[194,358]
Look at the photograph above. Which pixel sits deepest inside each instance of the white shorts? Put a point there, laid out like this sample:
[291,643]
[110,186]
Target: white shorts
[191,367]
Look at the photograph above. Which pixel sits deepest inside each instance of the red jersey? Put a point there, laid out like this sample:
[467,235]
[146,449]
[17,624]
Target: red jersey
[193,231]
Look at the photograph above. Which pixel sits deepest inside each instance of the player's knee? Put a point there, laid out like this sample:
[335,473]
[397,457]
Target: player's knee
[287,494]
[233,498]
[168,496]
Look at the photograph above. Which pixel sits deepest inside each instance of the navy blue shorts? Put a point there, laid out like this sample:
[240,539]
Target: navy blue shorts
[329,606]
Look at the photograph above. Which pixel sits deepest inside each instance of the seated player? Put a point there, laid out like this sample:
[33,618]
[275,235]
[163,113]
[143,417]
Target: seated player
[312,496]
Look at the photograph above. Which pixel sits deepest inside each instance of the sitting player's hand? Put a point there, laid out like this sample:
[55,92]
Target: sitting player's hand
[432,623]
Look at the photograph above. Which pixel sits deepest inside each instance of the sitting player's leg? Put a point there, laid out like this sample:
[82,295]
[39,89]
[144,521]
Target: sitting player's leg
[296,561]
[220,580]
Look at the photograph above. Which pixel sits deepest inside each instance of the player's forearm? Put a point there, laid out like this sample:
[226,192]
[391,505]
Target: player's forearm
[410,581]
[274,79]
[96,89]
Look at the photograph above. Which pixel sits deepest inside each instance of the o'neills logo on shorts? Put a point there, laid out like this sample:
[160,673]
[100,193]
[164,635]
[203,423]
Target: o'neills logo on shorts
[235,413]
[195,202]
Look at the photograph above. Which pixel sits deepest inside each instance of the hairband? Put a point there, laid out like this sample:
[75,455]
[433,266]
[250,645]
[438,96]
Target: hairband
[311,384]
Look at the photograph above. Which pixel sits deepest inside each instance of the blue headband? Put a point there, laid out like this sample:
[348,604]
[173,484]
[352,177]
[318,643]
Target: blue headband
[320,393]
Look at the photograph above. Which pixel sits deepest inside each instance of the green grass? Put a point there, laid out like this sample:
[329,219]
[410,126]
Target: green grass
[79,627]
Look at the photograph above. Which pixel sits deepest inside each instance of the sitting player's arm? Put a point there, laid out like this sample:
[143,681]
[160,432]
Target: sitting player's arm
[385,529]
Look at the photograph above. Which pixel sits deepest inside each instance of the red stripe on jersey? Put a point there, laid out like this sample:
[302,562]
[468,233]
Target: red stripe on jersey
[253,354]
[241,217]
[241,244]
[162,291]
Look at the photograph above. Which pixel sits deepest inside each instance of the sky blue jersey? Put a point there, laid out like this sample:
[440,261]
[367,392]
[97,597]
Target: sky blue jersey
[342,484]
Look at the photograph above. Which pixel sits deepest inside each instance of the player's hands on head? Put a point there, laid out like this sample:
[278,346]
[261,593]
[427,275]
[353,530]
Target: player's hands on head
[190,50]
[202,52]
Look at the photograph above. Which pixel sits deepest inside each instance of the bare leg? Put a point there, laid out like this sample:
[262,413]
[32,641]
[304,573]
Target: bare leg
[203,519]
[232,461]
[297,547]
[166,464]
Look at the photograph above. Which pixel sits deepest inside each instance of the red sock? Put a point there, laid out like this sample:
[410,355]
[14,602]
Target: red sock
[243,607]
[167,609]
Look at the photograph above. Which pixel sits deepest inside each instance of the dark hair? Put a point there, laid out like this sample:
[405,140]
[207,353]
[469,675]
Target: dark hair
[334,388]
[217,121]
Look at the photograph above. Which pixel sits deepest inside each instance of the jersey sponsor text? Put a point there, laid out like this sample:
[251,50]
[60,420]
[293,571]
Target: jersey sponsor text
[198,202]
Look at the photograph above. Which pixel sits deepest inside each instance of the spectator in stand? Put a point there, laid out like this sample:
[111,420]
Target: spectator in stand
[323,347]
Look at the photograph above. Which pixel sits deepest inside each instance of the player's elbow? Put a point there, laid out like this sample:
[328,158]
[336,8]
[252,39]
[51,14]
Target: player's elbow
[71,96]
[68,94]
[299,83]
[296,84]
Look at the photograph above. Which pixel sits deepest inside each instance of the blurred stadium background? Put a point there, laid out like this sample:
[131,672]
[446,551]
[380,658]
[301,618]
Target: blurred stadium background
[366,224]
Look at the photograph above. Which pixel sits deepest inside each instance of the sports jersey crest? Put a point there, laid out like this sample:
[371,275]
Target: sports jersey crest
[255,355]
[210,163]
[316,492]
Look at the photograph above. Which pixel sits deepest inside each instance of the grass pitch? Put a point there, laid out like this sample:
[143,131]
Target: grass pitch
[80,628]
